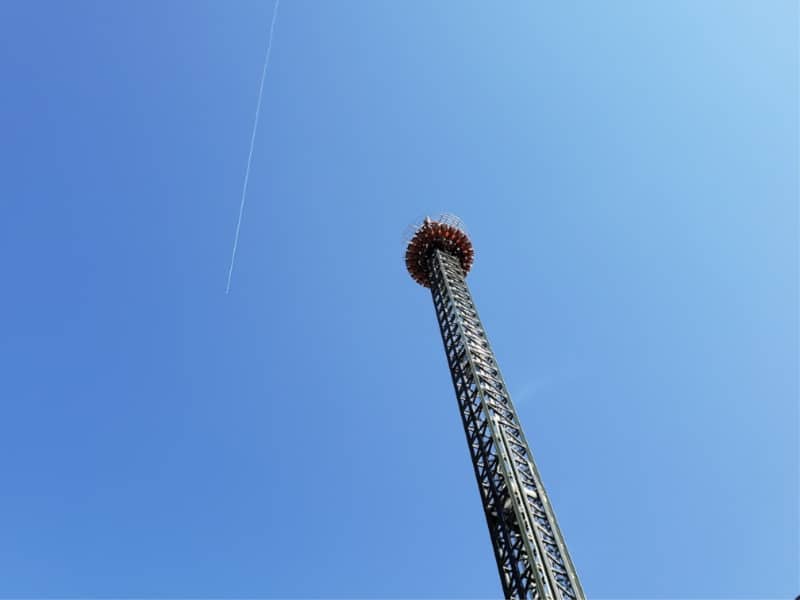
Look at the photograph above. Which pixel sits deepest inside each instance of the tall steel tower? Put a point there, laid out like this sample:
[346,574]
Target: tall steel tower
[531,555]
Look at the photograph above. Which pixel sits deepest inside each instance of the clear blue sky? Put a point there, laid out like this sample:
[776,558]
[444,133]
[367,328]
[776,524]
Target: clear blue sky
[629,174]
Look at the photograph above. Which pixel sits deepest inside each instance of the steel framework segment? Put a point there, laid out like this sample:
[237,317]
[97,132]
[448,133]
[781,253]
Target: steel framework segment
[531,555]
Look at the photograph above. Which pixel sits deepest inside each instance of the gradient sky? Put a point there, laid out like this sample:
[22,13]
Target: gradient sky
[628,172]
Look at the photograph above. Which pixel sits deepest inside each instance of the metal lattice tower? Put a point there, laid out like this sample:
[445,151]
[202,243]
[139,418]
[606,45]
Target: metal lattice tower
[531,555]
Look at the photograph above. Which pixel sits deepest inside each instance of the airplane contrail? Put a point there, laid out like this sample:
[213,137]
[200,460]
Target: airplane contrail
[252,144]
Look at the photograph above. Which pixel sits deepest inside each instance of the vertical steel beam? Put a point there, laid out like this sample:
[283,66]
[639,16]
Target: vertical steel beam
[531,555]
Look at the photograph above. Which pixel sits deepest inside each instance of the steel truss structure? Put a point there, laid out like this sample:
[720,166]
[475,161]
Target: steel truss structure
[531,555]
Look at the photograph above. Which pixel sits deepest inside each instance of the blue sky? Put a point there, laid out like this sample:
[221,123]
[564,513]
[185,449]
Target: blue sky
[628,172]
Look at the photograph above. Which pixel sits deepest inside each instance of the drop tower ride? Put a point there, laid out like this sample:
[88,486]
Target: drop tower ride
[531,555]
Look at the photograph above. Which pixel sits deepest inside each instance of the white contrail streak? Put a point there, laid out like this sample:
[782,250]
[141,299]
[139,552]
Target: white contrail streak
[252,144]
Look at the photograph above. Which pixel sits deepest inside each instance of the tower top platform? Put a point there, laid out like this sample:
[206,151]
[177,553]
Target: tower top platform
[447,233]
